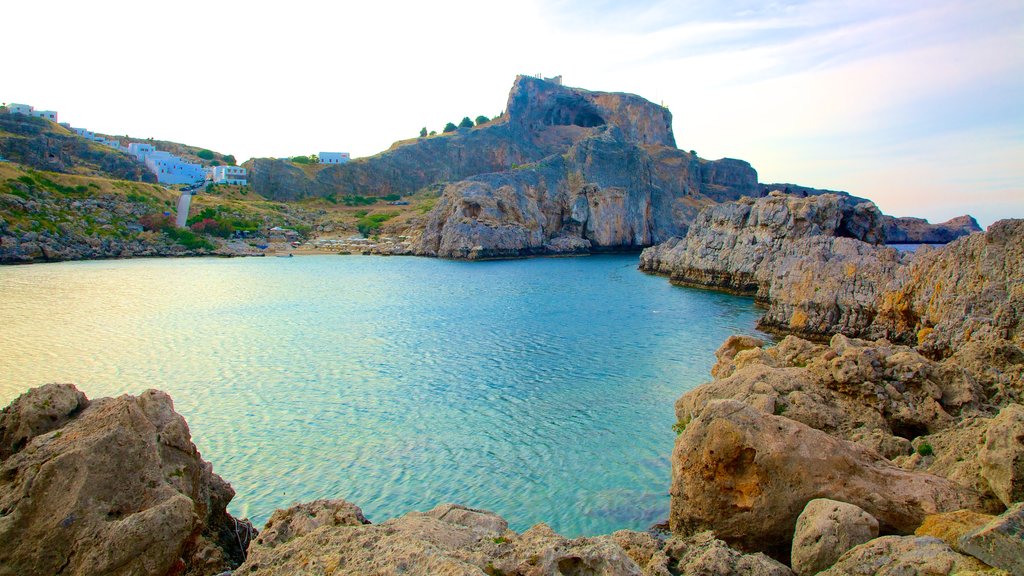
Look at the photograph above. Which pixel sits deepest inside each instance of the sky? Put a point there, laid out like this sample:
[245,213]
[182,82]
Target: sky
[917,104]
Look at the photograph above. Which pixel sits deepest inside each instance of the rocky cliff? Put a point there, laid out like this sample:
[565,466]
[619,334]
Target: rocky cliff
[109,486]
[818,266]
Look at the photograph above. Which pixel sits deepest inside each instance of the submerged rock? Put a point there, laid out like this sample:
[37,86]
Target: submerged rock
[111,486]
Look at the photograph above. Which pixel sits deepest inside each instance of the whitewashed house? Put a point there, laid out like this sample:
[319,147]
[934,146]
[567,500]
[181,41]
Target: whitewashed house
[50,115]
[25,109]
[229,175]
[170,169]
[334,157]
[140,150]
[85,133]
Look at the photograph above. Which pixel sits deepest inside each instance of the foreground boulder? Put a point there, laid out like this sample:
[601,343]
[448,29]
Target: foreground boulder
[825,530]
[747,476]
[111,486]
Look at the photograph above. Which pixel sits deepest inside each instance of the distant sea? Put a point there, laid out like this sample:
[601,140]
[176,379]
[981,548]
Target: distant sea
[540,389]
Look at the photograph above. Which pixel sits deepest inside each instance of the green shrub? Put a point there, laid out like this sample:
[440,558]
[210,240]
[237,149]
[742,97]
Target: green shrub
[925,449]
[466,122]
[449,127]
[300,160]
[188,239]
[205,154]
[681,425]
[371,223]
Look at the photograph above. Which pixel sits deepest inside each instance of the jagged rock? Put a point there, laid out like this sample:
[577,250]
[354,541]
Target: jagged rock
[875,393]
[46,409]
[903,556]
[999,543]
[970,290]
[825,530]
[1002,456]
[113,486]
[449,539]
[301,519]
[748,475]
[919,231]
[704,555]
[803,257]
[646,551]
[951,526]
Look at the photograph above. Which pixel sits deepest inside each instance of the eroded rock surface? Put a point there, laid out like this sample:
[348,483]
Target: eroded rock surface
[747,476]
[920,231]
[111,486]
[903,556]
[825,530]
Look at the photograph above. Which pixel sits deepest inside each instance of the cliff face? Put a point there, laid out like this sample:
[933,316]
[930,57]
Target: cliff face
[817,264]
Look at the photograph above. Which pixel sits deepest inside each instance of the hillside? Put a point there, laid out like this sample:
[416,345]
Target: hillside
[44,145]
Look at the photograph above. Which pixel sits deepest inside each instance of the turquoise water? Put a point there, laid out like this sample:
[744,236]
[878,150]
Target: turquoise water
[540,389]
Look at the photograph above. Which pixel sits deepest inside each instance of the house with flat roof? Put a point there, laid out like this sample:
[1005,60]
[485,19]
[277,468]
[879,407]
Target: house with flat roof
[229,175]
[334,157]
[170,169]
[25,109]
[50,115]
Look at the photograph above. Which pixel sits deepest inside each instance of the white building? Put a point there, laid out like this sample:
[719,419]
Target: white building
[115,144]
[170,169]
[229,175]
[334,157]
[25,109]
[85,133]
[50,115]
[140,150]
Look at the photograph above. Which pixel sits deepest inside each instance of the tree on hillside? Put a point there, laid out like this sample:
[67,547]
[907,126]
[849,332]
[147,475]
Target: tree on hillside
[449,127]
[314,159]
[230,160]
[423,132]
[205,154]
[482,120]
[466,123]
[433,133]
[300,159]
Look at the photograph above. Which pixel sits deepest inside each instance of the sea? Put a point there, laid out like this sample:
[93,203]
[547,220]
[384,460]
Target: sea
[539,389]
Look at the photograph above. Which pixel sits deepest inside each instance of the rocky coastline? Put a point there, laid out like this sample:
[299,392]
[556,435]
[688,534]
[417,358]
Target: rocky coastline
[890,443]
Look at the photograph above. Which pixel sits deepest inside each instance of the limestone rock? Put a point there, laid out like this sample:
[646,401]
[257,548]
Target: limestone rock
[302,519]
[47,408]
[448,540]
[903,556]
[876,393]
[825,530]
[951,526]
[1002,456]
[747,476]
[999,543]
[114,486]
[704,555]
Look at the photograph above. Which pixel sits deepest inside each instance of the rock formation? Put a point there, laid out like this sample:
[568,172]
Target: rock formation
[904,555]
[816,264]
[109,486]
[825,530]
[456,540]
[747,476]
[920,231]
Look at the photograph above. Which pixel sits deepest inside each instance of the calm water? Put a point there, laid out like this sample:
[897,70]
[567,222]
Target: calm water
[540,389]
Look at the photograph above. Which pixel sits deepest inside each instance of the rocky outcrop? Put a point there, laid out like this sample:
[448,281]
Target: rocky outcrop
[453,539]
[877,394]
[109,486]
[969,291]
[1000,543]
[747,476]
[920,231]
[825,530]
[904,556]
[815,263]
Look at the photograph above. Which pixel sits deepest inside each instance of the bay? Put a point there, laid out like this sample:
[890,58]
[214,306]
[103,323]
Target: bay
[539,389]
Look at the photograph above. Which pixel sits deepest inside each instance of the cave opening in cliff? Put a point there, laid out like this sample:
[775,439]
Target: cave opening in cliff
[573,112]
